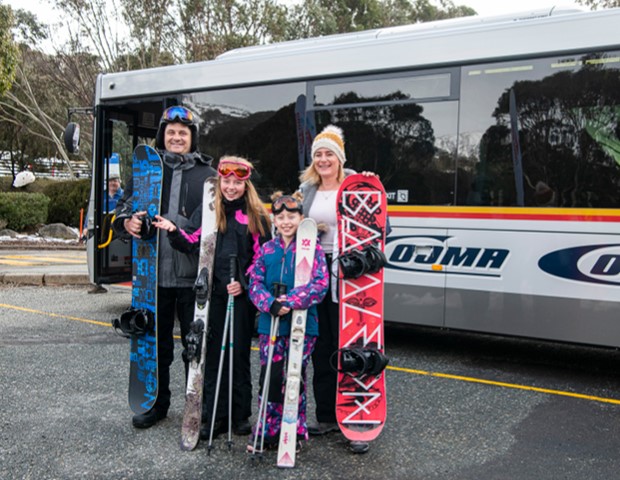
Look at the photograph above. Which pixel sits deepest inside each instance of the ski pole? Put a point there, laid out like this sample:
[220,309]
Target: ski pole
[279,289]
[231,350]
[226,331]
[262,409]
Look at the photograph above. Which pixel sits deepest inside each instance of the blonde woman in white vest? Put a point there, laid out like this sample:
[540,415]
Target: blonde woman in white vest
[319,186]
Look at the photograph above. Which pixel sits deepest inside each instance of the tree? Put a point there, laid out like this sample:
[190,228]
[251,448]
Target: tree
[33,107]
[596,4]
[325,17]
[34,112]
[8,49]
[95,27]
[212,27]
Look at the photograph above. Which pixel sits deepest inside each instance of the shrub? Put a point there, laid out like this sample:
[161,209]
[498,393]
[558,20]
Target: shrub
[38,186]
[66,200]
[21,210]
[5,184]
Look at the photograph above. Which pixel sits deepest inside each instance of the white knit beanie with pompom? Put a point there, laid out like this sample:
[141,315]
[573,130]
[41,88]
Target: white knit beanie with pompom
[331,138]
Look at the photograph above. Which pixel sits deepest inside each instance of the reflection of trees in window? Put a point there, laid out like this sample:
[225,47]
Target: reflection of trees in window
[568,132]
[490,177]
[267,138]
[394,140]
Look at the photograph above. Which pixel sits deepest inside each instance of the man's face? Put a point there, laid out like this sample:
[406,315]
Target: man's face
[113,185]
[177,138]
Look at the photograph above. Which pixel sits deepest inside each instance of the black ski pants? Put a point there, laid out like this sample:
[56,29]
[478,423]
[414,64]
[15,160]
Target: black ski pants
[171,303]
[244,315]
[325,378]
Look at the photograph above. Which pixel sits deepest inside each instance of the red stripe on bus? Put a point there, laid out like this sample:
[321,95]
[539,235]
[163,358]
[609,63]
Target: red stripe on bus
[564,217]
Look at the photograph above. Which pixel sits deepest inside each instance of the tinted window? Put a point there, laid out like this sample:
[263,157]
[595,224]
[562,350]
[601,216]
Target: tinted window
[411,144]
[257,123]
[411,147]
[406,86]
[567,113]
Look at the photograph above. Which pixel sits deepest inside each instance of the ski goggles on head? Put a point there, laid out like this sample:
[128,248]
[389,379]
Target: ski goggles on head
[178,114]
[286,202]
[240,170]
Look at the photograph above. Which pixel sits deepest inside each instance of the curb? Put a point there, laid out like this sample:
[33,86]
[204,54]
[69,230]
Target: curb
[44,279]
[12,245]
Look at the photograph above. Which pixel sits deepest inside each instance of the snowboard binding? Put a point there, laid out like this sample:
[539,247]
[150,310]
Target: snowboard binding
[197,327]
[194,341]
[356,263]
[358,361]
[147,229]
[201,286]
[134,321]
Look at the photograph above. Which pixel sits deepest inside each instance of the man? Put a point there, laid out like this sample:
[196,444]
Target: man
[185,171]
[111,196]
[114,193]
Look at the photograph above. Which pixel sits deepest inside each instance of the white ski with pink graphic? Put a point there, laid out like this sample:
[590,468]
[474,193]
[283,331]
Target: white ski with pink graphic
[304,259]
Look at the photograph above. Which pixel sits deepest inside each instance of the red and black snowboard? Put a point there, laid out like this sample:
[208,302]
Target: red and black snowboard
[362,215]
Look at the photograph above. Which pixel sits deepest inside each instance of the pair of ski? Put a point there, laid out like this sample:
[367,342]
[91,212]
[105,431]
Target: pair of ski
[197,338]
[304,260]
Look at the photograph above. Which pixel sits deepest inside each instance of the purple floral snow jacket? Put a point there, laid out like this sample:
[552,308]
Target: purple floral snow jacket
[276,263]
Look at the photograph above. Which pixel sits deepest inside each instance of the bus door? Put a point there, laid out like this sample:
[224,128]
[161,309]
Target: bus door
[117,131]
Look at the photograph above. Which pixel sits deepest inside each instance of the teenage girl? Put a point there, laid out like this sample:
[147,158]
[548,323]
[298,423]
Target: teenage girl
[243,226]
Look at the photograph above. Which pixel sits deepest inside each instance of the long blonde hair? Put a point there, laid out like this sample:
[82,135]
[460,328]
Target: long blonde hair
[258,217]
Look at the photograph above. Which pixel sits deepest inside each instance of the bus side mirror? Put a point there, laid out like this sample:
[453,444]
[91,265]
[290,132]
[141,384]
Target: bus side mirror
[71,137]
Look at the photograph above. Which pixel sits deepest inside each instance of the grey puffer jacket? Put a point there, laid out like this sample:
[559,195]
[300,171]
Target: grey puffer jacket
[183,181]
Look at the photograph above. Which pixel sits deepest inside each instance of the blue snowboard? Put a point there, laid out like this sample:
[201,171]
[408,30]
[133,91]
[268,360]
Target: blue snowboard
[147,182]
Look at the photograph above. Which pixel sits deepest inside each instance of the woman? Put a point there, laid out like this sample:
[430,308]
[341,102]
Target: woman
[319,187]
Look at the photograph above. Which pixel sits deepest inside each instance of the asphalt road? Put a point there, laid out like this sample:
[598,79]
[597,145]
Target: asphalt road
[461,406]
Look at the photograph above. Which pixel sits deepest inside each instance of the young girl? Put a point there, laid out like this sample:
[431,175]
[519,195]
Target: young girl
[243,226]
[276,263]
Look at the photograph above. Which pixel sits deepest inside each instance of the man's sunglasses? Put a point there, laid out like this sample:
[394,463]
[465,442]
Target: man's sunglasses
[178,114]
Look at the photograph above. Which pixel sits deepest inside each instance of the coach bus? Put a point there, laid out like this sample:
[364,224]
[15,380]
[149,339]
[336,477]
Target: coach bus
[497,139]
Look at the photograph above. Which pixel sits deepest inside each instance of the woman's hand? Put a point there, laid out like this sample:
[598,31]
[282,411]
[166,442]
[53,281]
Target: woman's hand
[164,224]
[234,288]
[369,174]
